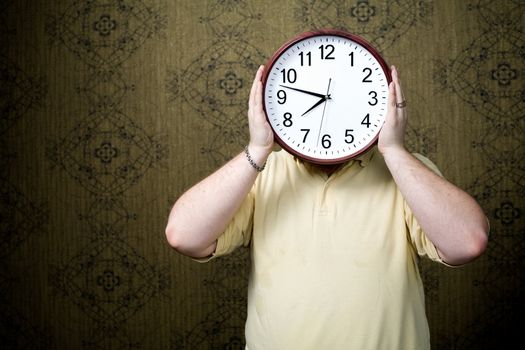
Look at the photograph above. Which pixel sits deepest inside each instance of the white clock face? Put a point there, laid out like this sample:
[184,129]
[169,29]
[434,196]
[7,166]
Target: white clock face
[326,97]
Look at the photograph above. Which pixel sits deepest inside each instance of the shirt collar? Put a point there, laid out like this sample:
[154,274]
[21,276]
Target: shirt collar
[363,159]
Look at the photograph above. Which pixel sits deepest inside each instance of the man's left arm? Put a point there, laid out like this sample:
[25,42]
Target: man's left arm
[450,217]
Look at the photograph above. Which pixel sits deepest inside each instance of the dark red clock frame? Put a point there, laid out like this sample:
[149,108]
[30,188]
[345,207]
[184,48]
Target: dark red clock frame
[310,34]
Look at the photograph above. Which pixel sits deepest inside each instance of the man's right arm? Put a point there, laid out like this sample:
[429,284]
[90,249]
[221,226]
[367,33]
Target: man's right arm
[202,213]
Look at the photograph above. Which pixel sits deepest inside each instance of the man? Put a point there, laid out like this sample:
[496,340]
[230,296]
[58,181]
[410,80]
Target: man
[334,251]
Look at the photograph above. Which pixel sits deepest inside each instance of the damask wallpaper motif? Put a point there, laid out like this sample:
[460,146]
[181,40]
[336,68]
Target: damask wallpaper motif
[110,109]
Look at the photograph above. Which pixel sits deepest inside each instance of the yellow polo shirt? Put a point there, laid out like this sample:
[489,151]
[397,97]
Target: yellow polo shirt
[334,259]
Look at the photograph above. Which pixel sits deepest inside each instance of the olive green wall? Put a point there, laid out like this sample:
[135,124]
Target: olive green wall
[111,109]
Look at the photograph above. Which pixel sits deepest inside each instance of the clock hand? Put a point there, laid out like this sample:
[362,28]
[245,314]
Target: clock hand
[324,108]
[323,99]
[304,91]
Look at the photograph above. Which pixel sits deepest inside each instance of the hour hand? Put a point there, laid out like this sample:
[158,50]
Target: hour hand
[304,91]
[321,100]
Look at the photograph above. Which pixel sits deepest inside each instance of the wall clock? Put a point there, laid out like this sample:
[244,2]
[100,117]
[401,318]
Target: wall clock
[325,96]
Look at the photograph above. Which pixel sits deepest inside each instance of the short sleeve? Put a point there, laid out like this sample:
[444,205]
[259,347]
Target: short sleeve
[419,240]
[237,233]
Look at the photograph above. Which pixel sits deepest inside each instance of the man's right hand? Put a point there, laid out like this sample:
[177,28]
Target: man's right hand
[261,134]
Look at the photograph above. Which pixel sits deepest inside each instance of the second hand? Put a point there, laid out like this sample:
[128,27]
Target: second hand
[324,108]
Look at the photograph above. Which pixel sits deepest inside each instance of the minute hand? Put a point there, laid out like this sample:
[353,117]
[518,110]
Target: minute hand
[304,91]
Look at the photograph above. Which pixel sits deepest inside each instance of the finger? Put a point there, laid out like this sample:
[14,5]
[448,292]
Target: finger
[258,95]
[257,78]
[259,73]
[400,97]
[392,95]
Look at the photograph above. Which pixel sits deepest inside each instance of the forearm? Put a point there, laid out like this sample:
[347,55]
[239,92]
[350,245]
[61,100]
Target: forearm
[202,213]
[451,218]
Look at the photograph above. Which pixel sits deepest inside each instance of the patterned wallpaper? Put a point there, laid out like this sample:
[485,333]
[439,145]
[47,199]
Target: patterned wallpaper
[110,109]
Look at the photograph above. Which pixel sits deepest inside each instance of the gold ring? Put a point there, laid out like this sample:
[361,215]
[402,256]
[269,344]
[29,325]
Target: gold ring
[401,104]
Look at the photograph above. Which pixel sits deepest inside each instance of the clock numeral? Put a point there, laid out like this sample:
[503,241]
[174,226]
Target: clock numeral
[287,119]
[329,51]
[289,76]
[351,54]
[281,95]
[308,56]
[366,120]
[307,131]
[326,142]
[365,79]
[348,134]
[374,97]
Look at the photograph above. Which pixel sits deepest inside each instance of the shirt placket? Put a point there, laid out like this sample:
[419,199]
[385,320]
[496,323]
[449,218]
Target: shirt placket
[324,205]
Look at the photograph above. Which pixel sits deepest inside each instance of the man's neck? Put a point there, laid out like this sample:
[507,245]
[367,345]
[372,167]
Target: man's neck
[328,169]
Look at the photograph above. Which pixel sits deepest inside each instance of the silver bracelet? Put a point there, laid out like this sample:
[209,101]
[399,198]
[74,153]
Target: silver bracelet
[252,162]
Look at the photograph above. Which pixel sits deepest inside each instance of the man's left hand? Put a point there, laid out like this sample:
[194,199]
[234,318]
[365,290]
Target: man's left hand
[392,134]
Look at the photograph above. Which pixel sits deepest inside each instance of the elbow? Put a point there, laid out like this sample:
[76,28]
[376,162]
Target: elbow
[469,250]
[480,238]
[179,241]
[478,244]
[177,231]
[176,241]
[171,237]
[176,237]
